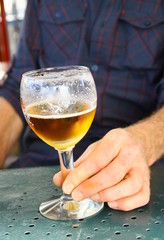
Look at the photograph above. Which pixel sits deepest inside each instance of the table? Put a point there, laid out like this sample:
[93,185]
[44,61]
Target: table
[22,190]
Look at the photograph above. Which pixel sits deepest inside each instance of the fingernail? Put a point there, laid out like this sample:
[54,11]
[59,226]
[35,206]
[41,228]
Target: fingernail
[77,196]
[67,188]
[113,205]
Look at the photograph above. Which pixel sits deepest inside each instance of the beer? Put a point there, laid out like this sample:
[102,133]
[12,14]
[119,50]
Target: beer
[61,128]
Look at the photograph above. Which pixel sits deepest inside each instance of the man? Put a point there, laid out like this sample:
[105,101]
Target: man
[122,43]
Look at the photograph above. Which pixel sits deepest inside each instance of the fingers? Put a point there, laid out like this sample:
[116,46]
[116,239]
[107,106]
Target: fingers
[130,185]
[112,170]
[107,177]
[58,179]
[131,193]
[137,200]
[95,161]
[60,176]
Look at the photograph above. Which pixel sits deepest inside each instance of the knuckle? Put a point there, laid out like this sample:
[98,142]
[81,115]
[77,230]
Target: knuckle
[76,178]
[91,146]
[146,198]
[110,194]
[106,157]
[137,185]
[110,145]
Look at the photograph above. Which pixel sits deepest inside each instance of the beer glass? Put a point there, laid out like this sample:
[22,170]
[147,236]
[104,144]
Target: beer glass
[59,105]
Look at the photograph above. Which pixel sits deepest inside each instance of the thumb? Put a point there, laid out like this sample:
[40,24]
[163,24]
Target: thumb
[58,179]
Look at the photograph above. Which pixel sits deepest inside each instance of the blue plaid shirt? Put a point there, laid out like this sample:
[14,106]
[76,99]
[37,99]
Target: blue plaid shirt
[122,42]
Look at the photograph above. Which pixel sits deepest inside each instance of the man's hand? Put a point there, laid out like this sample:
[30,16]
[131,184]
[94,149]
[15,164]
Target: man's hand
[11,127]
[116,168]
[112,170]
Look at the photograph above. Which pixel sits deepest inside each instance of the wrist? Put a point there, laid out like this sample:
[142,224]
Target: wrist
[141,137]
[149,133]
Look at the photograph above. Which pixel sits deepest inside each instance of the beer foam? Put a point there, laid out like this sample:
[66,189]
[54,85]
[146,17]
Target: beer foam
[55,111]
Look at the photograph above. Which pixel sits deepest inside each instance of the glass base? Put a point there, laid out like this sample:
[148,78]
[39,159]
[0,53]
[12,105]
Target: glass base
[59,209]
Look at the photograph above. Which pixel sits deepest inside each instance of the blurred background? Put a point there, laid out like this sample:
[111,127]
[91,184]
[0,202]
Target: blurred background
[13,11]
[11,16]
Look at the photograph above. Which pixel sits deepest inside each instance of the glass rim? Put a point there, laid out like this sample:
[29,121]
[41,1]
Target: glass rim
[36,73]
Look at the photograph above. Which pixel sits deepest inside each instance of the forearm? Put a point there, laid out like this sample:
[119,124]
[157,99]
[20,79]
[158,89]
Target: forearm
[150,135]
[11,127]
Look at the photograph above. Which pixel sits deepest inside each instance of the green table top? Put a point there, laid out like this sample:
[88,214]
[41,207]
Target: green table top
[22,191]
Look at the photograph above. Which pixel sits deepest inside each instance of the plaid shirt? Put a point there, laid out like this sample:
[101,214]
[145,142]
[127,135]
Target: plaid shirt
[122,42]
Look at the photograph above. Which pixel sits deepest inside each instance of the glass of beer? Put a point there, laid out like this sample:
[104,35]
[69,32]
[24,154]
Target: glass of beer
[59,105]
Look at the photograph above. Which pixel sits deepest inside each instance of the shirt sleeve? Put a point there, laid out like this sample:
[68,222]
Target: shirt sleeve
[26,57]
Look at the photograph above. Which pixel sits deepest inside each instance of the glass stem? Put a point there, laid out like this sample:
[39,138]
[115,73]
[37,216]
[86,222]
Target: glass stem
[66,164]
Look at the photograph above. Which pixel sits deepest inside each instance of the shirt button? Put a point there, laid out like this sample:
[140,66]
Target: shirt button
[94,68]
[58,15]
